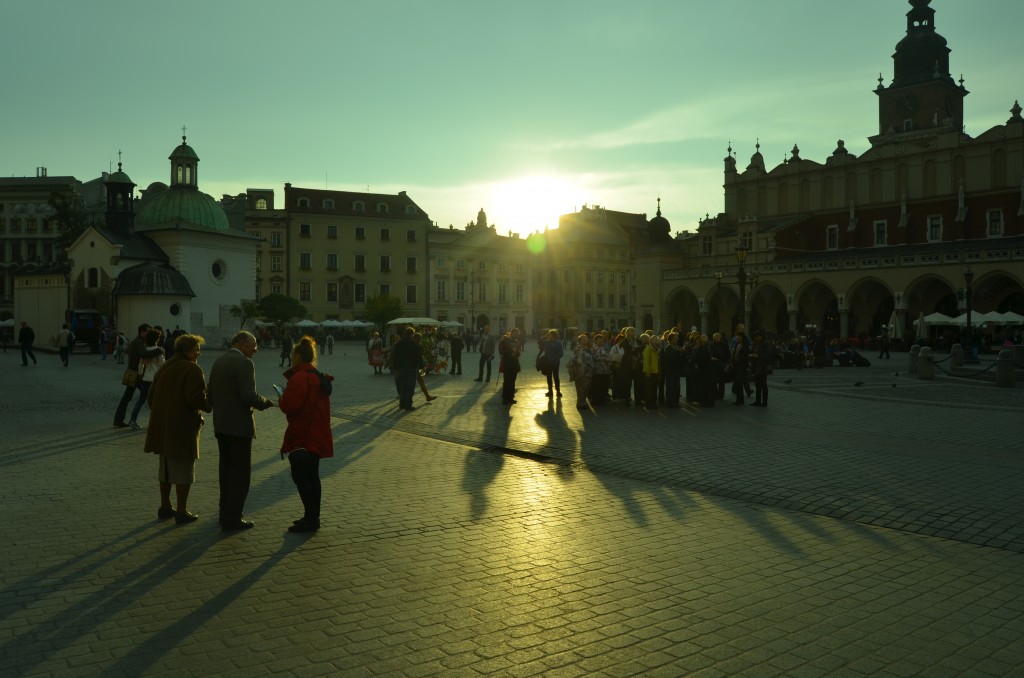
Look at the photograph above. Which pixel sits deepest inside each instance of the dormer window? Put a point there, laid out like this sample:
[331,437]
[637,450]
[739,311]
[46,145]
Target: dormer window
[261,204]
[382,208]
[328,204]
[303,202]
[410,210]
[358,206]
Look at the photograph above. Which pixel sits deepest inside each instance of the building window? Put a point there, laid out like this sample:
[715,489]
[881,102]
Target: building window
[994,219]
[747,240]
[303,202]
[520,294]
[385,264]
[440,262]
[305,230]
[358,206]
[304,294]
[275,239]
[328,204]
[410,210]
[275,262]
[442,290]
[360,232]
[332,231]
[460,264]
[218,270]
[600,299]
[382,208]
[15,225]
[880,239]
[410,294]
[481,292]
[275,288]
[832,237]
[707,245]
[261,204]
[359,292]
[410,264]
[460,290]
[332,262]
[305,261]
[935,228]
[483,265]
[502,293]
[384,289]
[332,292]
[93,278]
[258,295]
[410,235]
[360,262]
[385,234]
[586,301]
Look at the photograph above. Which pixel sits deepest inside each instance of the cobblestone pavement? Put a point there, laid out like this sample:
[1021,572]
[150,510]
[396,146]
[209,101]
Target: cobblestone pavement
[862,530]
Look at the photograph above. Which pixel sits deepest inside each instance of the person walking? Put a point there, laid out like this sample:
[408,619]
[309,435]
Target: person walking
[148,366]
[741,364]
[456,345]
[761,358]
[65,340]
[550,360]
[136,350]
[27,337]
[234,397]
[487,343]
[582,362]
[510,350]
[306,403]
[177,400]
[885,342]
[406,361]
[286,349]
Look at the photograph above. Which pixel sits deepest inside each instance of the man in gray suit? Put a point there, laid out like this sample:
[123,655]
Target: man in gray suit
[233,396]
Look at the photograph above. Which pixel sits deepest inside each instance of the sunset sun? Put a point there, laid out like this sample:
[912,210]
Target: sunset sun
[528,204]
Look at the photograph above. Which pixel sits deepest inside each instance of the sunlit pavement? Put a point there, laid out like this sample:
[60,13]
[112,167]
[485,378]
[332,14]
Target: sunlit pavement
[847,529]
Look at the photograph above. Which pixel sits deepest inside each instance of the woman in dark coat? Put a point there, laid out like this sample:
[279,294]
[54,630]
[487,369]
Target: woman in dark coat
[721,363]
[306,402]
[177,400]
[761,358]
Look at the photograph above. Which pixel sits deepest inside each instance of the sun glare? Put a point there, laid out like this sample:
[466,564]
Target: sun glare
[528,204]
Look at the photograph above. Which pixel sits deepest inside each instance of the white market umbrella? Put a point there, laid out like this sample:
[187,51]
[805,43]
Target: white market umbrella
[895,331]
[423,322]
[306,323]
[1012,319]
[331,323]
[449,324]
[7,323]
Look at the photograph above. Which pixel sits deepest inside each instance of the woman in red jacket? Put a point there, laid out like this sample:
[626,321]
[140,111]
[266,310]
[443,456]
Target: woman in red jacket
[306,402]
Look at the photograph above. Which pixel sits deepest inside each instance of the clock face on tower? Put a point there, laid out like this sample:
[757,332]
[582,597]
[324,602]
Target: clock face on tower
[909,104]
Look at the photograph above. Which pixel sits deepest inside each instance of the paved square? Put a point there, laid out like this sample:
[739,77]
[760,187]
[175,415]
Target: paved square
[868,530]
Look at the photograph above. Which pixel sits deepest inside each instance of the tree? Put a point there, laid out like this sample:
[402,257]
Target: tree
[279,309]
[381,309]
[245,312]
[71,219]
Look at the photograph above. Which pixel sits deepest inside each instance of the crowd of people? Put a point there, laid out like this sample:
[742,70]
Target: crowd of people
[170,381]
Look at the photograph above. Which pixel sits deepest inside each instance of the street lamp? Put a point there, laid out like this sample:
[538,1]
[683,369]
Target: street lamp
[968,292]
[741,276]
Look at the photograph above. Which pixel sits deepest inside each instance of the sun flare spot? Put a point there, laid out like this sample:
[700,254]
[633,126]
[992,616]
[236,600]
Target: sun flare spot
[529,204]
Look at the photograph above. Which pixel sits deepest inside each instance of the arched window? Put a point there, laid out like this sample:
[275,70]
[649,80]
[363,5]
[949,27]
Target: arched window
[93,278]
[261,204]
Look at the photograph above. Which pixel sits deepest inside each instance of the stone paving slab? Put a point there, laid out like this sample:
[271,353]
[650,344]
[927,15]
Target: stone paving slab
[441,554]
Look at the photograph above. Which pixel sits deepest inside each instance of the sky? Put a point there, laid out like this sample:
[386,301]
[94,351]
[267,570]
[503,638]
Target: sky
[527,109]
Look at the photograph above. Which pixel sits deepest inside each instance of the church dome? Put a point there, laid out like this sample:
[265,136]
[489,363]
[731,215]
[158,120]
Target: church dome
[181,207]
[659,226]
[152,278]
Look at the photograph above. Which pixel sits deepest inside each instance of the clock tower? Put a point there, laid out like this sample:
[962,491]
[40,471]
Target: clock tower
[922,99]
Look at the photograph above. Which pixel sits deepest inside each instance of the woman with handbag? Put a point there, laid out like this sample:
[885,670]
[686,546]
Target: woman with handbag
[549,361]
[306,402]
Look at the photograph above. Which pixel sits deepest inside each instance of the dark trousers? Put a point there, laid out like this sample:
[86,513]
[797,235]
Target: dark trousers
[405,384]
[552,376]
[508,387]
[235,470]
[485,360]
[456,362]
[122,407]
[672,390]
[599,388]
[761,388]
[26,353]
[66,351]
[306,475]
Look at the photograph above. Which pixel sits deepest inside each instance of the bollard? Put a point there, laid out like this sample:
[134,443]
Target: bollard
[913,357]
[1005,375]
[956,356]
[925,366]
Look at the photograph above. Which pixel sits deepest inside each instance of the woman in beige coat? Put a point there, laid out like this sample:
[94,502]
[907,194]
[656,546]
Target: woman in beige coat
[177,400]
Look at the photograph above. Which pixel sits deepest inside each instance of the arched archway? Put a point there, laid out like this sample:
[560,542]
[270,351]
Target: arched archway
[683,309]
[723,310]
[870,303]
[817,307]
[768,309]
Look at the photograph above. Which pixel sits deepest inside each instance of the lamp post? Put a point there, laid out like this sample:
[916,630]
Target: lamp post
[741,276]
[968,292]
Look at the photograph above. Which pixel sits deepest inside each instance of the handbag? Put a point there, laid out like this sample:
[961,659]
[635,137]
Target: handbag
[540,362]
[130,377]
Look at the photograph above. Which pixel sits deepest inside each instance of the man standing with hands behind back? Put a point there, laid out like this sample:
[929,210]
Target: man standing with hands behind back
[234,397]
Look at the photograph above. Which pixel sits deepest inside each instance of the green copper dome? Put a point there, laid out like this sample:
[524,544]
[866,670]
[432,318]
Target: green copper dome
[184,207]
